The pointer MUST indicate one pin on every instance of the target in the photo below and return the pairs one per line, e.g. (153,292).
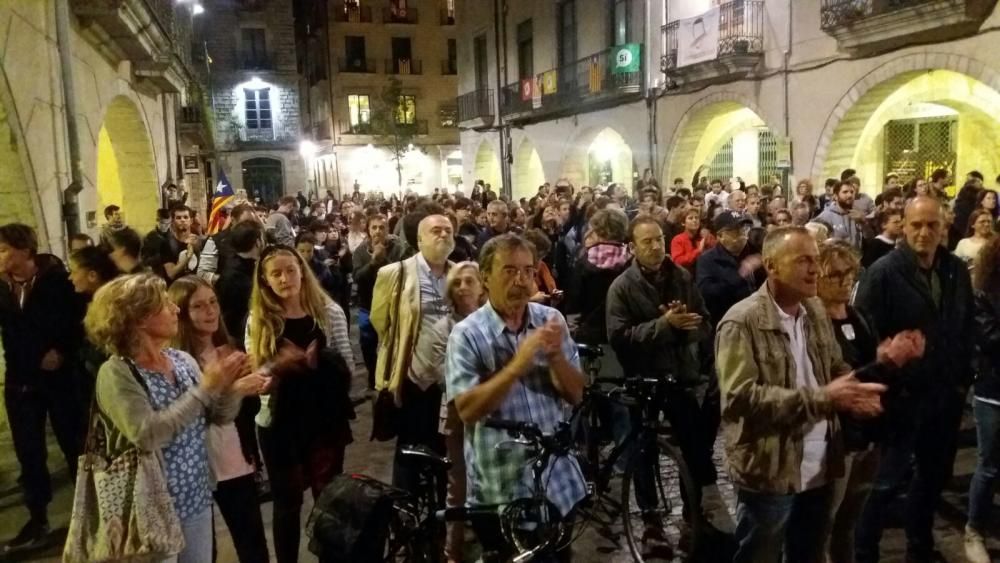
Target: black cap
(728,220)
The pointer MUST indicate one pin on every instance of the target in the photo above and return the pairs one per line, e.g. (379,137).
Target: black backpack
(350,521)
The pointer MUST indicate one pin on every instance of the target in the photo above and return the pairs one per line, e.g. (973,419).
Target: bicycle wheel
(660,515)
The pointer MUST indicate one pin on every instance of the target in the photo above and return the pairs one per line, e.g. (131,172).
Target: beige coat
(395,317)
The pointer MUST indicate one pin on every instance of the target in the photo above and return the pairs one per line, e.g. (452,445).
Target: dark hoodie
(52,318)
(597,267)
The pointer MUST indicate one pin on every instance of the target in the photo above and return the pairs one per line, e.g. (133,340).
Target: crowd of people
(831,338)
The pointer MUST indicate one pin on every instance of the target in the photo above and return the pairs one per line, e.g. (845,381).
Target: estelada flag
(223,196)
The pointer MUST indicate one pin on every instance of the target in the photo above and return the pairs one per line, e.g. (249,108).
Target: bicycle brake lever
(519,442)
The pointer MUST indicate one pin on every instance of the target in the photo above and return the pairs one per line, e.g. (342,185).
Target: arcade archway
(126,170)
(527,170)
(15,192)
(599,157)
(487,167)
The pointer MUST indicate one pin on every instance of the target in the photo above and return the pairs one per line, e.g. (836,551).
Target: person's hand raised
(863,400)
(677,316)
(220,373)
(902,348)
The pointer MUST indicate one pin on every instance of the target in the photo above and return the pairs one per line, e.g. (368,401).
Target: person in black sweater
(890,225)
(41,323)
(859,345)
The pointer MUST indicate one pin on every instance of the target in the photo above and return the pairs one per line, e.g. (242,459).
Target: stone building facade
(352,55)
(785,90)
(253,95)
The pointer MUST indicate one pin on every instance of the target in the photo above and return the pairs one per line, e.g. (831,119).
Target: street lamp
(197,10)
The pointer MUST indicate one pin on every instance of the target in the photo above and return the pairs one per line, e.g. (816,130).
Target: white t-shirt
(814,447)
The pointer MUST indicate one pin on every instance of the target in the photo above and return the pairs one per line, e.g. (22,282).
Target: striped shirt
(479,347)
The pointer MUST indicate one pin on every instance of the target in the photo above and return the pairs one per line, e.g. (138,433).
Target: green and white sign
(626,58)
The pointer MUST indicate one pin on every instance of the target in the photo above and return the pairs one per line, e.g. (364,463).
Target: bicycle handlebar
(513,426)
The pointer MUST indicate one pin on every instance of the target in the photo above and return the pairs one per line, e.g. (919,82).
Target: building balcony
(600,80)
(352,13)
(255,61)
(360,66)
(193,125)
(515,99)
(403,66)
(154,35)
(449,67)
(418,127)
(399,15)
(348,128)
(475,108)
(740,48)
(880,25)
(447,17)
(246,138)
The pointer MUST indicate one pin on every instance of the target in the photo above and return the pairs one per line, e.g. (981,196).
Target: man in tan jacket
(782,380)
(409,297)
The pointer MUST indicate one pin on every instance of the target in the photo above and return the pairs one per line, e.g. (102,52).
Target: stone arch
(708,125)
(969,86)
(126,168)
(18,186)
(598,148)
(487,166)
(527,170)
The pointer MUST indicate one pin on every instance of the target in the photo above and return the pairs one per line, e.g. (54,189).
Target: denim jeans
(774,528)
(927,446)
(984,479)
(197,539)
(850,493)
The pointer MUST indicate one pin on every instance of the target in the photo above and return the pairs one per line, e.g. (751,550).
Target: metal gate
(721,167)
(767,156)
(918,147)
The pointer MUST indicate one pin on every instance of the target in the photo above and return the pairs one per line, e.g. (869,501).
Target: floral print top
(185,457)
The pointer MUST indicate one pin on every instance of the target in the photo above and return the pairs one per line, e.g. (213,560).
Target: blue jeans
(983,480)
(368,340)
(197,539)
(774,528)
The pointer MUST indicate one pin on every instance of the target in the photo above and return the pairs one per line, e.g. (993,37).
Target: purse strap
(89,445)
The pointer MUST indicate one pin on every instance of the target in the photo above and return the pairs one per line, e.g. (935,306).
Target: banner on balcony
(626,58)
(527,89)
(698,38)
(549,82)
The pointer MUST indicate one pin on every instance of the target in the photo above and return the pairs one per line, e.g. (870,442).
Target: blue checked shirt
(480,346)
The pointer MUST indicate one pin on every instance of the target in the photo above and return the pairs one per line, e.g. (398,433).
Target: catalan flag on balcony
(220,199)
(596,75)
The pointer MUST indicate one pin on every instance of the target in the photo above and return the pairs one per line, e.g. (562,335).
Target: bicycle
(649,441)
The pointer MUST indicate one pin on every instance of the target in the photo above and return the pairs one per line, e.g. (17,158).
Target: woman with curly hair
(158,399)
(298,334)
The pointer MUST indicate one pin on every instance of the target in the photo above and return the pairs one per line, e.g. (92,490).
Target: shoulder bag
(122,510)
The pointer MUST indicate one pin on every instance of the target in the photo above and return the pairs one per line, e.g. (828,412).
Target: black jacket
(895,294)
(988,340)
(51,319)
(234,287)
(590,282)
(720,282)
(644,342)
(366,269)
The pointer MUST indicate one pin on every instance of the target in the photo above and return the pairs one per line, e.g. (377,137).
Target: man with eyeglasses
(498,222)
(731,271)
(512,360)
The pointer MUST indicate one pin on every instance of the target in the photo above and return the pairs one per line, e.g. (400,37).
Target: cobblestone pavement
(594,545)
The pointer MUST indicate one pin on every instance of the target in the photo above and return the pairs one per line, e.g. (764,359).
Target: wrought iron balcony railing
(403,66)
(362,66)
(393,14)
(741,32)
(352,13)
(475,104)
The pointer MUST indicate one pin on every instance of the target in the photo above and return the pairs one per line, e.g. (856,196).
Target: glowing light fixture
(308,149)
(197,10)
(604,150)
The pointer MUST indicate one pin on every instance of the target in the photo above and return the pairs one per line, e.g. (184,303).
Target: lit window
(258,108)
(360,109)
(406,110)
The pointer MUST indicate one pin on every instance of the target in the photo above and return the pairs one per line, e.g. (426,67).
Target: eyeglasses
(512,272)
(841,276)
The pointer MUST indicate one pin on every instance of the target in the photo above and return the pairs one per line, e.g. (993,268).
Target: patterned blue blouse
(185,457)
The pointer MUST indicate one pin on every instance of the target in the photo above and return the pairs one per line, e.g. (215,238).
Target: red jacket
(684,250)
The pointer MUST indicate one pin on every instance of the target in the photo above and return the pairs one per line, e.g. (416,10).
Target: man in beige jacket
(409,297)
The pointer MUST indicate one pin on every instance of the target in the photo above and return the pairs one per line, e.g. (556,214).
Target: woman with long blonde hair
(298,335)
(201,333)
